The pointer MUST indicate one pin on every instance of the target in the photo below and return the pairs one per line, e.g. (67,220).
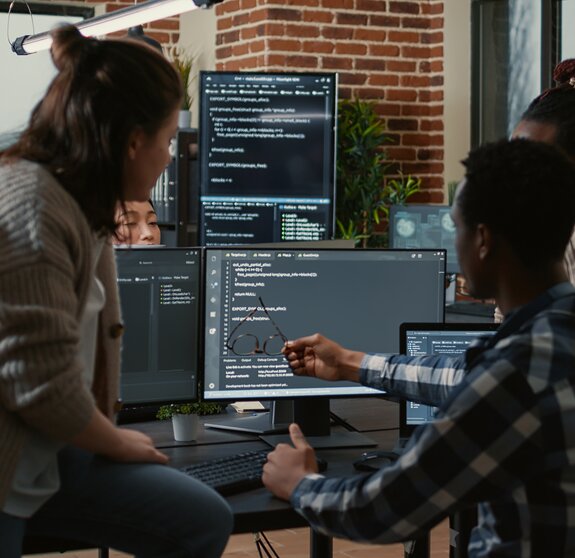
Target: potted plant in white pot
(184,64)
(185,417)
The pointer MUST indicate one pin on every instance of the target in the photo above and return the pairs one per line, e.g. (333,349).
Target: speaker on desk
(175,196)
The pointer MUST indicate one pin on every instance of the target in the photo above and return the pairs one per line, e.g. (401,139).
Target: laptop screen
(417,339)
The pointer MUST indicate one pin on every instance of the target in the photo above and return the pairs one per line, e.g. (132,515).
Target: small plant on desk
(185,419)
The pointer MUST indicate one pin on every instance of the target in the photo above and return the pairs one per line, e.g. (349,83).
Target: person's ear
(135,141)
(485,239)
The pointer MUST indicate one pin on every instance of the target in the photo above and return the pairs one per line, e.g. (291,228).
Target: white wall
(197,37)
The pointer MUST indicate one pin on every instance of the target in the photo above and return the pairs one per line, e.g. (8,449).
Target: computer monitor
(355,297)
(424,226)
(160,300)
(266,157)
(417,339)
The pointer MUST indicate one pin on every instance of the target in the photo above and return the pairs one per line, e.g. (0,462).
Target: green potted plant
(363,194)
(185,417)
(184,64)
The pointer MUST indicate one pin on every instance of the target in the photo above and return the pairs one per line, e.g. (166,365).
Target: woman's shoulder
(37,215)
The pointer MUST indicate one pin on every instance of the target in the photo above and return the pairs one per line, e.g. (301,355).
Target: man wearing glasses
(502,436)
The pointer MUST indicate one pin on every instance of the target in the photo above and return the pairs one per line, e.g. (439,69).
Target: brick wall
(166,31)
(387,51)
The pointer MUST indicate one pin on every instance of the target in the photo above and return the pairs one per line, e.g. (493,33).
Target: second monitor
(255,299)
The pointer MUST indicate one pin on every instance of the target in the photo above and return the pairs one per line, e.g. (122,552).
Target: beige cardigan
(45,255)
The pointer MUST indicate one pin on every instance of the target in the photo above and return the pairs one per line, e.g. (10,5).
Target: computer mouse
(374,460)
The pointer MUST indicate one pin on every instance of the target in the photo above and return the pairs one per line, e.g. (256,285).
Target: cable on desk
(264,545)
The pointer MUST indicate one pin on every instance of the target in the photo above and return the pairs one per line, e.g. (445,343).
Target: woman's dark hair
(524,191)
(556,106)
(80,130)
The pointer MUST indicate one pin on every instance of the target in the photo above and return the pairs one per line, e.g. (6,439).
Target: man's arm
(455,461)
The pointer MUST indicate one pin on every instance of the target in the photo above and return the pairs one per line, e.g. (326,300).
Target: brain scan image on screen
(405,227)
(447,223)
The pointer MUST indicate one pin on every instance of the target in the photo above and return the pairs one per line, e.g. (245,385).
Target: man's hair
(556,106)
(524,191)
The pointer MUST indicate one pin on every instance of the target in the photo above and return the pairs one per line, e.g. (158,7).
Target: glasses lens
(274,345)
(245,345)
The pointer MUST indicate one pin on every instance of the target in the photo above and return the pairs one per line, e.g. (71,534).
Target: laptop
(416,339)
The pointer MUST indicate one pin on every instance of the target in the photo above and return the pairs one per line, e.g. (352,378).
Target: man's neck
(520,288)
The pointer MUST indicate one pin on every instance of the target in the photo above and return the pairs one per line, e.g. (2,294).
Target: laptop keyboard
(231,474)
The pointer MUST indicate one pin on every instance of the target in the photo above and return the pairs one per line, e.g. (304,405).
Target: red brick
(423,168)
(400,153)
(383,50)
(282,14)
(308,31)
(383,80)
(432,8)
(348,78)
(430,154)
(404,7)
(321,47)
(384,21)
(338,4)
(284,44)
(346,18)
(415,81)
(415,22)
(432,125)
(257,46)
(332,63)
(372,64)
(405,95)
(415,52)
(369,34)
(371,5)
(248,4)
(432,38)
(317,16)
(359,49)
(422,139)
(401,125)
(403,36)
(337,33)
(400,66)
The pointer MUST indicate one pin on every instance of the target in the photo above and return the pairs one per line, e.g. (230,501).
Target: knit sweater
(45,257)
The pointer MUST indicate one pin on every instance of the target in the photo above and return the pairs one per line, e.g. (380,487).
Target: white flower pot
(184,119)
(186,427)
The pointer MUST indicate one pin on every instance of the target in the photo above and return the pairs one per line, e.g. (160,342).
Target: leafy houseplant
(200,408)
(363,195)
(185,417)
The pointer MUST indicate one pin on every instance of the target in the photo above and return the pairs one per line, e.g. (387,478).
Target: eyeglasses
(249,344)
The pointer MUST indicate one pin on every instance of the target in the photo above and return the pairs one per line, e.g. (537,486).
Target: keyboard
(231,474)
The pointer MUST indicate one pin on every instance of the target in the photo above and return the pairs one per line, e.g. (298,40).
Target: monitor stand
(312,415)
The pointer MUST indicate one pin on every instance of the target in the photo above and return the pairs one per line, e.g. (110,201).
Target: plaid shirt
(504,437)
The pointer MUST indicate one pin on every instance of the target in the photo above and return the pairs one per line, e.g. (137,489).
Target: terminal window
(267,157)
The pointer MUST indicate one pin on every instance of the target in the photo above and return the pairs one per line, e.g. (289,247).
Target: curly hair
(80,130)
(556,106)
(524,191)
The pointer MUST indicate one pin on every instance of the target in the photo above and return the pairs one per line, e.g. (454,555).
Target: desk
(258,510)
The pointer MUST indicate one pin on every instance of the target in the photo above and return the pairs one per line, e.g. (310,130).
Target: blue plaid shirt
(504,437)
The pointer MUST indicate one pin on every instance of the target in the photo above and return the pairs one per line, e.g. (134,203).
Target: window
(515,46)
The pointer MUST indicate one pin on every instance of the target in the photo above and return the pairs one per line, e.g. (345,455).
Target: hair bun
(68,46)
(564,71)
